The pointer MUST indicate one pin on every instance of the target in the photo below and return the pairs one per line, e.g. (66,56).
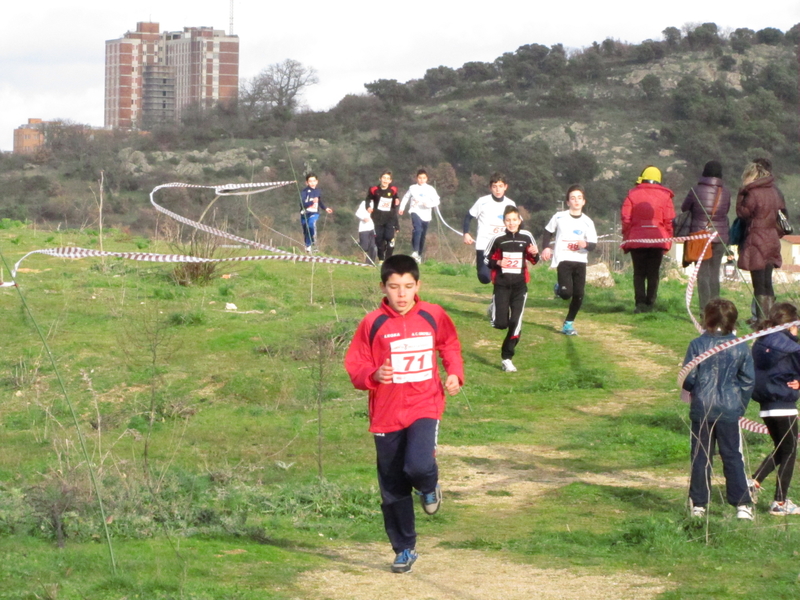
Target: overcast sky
(52,52)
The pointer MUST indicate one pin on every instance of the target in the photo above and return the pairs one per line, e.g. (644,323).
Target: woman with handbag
(758,204)
(709,202)
(647,213)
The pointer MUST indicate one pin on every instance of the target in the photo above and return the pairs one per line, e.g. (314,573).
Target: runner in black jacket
(382,201)
(506,255)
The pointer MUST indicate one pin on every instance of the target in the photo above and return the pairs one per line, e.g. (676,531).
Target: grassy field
(233,459)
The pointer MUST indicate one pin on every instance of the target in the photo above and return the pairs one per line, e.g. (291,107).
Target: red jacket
(409,341)
(647,214)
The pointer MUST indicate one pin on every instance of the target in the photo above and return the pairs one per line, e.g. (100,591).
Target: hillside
(546,117)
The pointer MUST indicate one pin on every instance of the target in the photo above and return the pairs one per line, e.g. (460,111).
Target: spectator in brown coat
(758,203)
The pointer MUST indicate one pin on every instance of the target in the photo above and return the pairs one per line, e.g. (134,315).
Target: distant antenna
(231,22)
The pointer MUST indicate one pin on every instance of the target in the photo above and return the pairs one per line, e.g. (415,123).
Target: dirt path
(362,573)
(520,474)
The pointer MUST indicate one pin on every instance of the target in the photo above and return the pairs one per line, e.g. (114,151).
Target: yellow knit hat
(650,174)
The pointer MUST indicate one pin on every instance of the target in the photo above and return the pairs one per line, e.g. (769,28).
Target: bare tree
(276,88)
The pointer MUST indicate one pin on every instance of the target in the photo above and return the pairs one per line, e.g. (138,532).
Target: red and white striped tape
(235,189)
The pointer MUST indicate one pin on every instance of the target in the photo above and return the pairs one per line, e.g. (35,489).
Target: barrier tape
(441,218)
(235,189)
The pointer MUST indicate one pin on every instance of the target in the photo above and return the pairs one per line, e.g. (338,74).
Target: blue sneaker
(556,289)
(432,501)
(403,561)
(568,328)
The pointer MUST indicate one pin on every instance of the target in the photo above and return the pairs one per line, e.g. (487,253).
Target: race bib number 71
(412,359)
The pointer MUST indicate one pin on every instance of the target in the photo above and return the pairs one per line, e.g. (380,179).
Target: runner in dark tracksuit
(382,202)
(506,256)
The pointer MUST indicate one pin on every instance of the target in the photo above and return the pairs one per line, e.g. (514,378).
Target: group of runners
(393,355)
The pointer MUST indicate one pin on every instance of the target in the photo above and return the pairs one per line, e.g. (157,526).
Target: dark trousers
(646,264)
(571,284)
(384,239)
(708,275)
(727,437)
(484,273)
(366,239)
(508,304)
(309,223)
(406,460)
(418,233)
(762,281)
(783,431)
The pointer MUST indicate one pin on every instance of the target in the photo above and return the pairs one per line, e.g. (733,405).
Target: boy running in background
(489,212)
(392,356)
(382,202)
(366,232)
(575,238)
(423,199)
(311,198)
(505,257)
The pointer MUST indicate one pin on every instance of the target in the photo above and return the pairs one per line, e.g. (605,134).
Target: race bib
(570,245)
(514,261)
(385,204)
(412,359)
(498,229)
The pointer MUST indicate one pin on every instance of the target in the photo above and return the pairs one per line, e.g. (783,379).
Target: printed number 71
(410,360)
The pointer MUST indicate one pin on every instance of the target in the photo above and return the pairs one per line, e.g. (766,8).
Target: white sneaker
(508,366)
(782,509)
(744,512)
(698,511)
(416,257)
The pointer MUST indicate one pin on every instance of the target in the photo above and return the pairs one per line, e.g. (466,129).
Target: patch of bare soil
(362,573)
(512,476)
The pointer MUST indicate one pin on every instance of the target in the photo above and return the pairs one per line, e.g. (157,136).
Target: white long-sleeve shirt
(362,214)
(423,198)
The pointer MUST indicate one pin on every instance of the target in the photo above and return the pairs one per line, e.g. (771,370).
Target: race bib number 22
(412,359)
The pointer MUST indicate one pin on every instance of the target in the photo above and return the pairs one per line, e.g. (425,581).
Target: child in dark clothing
(777,362)
(720,390)
(505,256)
(311,198)
(382,203)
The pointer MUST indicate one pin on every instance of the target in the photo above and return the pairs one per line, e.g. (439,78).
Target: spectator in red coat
(647,214)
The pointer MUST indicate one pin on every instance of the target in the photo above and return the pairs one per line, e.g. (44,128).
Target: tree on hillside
(389,91)
(703,36)
(276,89)
(769,36)
(741,39)
(672,37)
(651,86)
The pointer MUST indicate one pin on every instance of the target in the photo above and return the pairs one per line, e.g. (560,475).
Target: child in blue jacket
(720,389)
(777,361)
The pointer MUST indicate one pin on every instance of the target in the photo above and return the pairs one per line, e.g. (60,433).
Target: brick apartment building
(151,77)
(29,138)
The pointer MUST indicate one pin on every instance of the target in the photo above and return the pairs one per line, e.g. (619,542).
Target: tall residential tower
(151,77)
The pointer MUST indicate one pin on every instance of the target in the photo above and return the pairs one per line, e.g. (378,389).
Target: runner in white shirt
(423,199)
(366,232)
(575,238)
(489,212)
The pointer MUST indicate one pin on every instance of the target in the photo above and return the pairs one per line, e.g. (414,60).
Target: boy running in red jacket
(392,356)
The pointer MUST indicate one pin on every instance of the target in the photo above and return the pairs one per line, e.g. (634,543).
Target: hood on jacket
(770,349)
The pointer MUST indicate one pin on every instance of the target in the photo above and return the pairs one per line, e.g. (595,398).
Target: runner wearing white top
(575,238)
(423,199)
(366,232)
(489,212)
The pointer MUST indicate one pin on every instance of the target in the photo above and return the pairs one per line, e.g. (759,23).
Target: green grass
(202,425)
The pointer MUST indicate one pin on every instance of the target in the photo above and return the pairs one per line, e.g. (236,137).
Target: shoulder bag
(693,249)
